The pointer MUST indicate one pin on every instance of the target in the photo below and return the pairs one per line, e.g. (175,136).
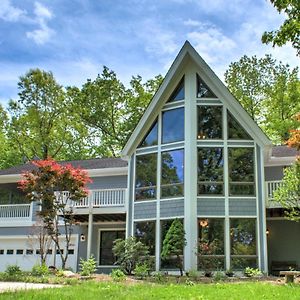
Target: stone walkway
(12,286)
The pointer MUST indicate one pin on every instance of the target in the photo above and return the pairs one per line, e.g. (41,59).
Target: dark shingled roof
(95,163)
(284,151)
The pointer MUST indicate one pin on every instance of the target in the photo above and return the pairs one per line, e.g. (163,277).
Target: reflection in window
(172,173)
(168,263)
(241,171)
(178,94)
(14,196)
(243,243)
(210,171)
(173,125)
(151,136)
(210,244)
(209,122)
(145,183)
(145,232)
(235,130)
(203,91)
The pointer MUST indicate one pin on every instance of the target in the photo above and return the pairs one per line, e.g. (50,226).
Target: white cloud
(191,22)
(44,33)
(10,13)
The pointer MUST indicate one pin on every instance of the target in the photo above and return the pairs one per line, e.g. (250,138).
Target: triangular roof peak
(186,53)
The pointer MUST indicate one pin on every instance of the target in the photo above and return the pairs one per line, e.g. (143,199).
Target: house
(195,155)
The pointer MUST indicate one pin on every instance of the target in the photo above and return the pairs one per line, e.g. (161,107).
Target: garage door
(19,251)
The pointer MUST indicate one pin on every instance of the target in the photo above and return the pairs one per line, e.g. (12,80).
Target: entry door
(107,238)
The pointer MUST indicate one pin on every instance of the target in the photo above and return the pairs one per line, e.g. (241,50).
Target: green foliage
(118,275)
(252,272)
(88,267)
(159,277)
(110,109)
(268,91)
(174,243)
(289,31)
(194,274)
(13,270)
(141,270)
(189,282)
(288,194)
(130,253)
(40,270)
(229,273)
(219,276)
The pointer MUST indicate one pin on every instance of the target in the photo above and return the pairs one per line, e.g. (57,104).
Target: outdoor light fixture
(267,231)
(82,237)
(203,223)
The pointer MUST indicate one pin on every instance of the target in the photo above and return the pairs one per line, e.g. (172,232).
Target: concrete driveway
(12,286)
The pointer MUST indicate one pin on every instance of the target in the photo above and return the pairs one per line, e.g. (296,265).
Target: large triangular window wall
(235,130)
(151,137)
(178,94)
(203,91)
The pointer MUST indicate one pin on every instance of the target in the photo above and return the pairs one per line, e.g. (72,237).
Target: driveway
(12,286)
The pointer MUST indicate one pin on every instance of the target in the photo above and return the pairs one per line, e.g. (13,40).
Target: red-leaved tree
(55,187)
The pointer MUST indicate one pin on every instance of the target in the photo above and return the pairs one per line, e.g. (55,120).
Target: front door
(107,238)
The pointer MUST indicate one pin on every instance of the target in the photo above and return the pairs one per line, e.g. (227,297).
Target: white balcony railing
(15,211)
(272,186)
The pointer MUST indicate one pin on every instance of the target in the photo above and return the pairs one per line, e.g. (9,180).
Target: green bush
(159,277)
(219,276)
(141,271)
(117,275)
(130,253)
(193,274)
(13,270)
(252,272)
(88,267)
(40,270)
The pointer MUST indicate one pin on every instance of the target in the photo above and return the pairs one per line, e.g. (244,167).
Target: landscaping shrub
(219,276)
(130,253)
(13,270)
(88,267)
(252,272)
(117,275)
(141,271)
(40,270)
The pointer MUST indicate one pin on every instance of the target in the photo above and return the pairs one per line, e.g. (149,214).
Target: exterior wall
(273,173)
(283,241)
(108,182)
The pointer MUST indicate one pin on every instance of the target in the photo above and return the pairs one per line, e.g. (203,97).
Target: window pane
(203,91)
(169,263)
(172,169)
(240,263)
(145,232)
(243,236)
(241,171)
(151,136)
(210,171)
(173,125)
(235,130)
(178,94)
(209,122)
(145,184)
(208,263)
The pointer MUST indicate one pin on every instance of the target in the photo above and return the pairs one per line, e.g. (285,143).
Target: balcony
(271,186)
(15,213)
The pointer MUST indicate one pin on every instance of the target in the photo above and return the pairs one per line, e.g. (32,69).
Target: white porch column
(90,229)
(190,171)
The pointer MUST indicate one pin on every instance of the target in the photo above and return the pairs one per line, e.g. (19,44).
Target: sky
(75,38)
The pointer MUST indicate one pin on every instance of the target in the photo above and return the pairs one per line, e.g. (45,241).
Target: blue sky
(75,38)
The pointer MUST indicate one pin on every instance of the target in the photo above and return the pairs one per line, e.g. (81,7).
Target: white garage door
(19,251)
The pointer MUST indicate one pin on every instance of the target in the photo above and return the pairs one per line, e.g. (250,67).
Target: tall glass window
(203,91)
(243,243)
(211,244)
(173,125)
(151,137)
(168,263)
(145,182)
(241,171)
(172,171)
(178,94)
(145,232)
(209,122)
(235,130)
(210,171)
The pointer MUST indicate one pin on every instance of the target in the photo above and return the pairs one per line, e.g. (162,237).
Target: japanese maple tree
(55,187)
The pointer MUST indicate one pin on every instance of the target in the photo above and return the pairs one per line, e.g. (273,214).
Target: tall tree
(269,91)
(289,31)
(42,122)
(110,109)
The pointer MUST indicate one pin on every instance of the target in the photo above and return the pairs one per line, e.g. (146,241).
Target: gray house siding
(108,182)
(273,173)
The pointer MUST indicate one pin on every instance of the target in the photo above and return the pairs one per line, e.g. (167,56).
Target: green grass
(109,290)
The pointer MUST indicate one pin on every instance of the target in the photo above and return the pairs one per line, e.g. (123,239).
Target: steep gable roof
(187,53)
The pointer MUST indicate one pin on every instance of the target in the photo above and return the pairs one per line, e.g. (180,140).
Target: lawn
(110,290)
